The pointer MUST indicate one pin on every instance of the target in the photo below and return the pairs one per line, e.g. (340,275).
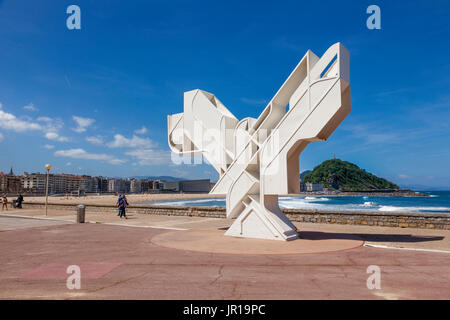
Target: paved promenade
(121,259)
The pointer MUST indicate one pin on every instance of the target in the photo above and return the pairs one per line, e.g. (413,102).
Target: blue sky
(94,101)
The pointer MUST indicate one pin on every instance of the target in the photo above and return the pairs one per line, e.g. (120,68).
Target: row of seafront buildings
(35,183)
(146,186)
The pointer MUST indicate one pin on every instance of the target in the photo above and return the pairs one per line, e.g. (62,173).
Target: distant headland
(338,177)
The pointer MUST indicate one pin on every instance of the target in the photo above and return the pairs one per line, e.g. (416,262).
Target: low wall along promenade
(425,220)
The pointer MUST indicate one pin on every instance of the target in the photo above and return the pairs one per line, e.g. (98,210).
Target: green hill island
(345,176)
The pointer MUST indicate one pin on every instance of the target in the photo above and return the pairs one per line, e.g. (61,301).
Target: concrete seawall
(424,220)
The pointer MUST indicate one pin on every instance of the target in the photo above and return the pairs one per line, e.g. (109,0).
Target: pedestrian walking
(4,203)
(18,202)
(119,200)
(122,205)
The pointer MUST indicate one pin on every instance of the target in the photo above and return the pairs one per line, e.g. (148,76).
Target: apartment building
(10,183)
(313,186)
(118,185)
(136,186)
(187,186)
(35,182)
(195,186)
(58,183)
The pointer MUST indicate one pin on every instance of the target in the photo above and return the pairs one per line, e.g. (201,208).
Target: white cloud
(150,157)
(68,164)
(9,121)
(47,125)
(44,119)
(49,146)
(381,137)
(50,125)
(142,130)
(1,137)
(30,107)
(403,176)
(51,128)
(82,123)
(98,140)
(56,137)
(135,142)
(82,154)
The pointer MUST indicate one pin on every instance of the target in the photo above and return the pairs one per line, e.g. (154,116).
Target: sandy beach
(111,199)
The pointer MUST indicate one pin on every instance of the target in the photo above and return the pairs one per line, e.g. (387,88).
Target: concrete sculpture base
(214,241)
(258,159)
(263,222)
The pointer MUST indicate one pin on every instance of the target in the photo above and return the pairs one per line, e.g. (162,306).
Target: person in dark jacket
(122,205)
(18,202)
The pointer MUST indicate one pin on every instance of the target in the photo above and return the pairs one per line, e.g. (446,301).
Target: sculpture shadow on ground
(315,235)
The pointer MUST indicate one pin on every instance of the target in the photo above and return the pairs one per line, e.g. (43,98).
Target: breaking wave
(415,209)
(438,203)
(314,198)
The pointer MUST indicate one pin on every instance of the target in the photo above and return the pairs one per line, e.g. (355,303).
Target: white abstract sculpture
(258,159)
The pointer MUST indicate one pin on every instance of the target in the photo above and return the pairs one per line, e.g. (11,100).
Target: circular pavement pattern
(214,241)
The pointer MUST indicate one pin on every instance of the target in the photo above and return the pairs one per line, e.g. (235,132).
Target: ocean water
(438,201)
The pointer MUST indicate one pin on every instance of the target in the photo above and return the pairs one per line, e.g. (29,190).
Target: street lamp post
(47,167)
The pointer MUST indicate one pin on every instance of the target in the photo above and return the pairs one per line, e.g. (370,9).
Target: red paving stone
(89,270)
(147,271)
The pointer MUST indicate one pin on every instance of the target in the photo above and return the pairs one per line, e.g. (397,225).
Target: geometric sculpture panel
(257,159)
